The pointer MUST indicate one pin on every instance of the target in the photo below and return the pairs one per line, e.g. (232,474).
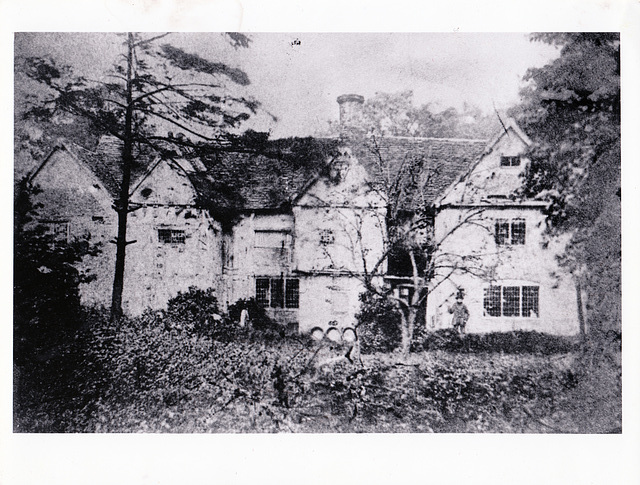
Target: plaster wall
(72,194)
(482,262)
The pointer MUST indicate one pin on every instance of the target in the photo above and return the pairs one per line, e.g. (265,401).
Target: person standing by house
(460,314)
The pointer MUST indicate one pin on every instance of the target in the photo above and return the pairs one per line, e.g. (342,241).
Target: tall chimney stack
(350,111)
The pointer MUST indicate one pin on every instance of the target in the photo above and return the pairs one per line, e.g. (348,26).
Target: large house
(300,236)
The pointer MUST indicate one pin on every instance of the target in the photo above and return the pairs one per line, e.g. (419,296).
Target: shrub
(259,325)
(196,312)
(46,304)
(507,342)
(378,324)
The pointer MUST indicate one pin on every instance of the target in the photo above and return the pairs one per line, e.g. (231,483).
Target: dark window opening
(399,262)
(278,292)
(292,299)
(171,236)
(509,161)
(511,301)
(326,237)
(262,291)
(530,296)
(518,232)
(502,232)
(492,301)
(510,232)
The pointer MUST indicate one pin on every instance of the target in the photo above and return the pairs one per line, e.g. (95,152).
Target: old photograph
(317,233)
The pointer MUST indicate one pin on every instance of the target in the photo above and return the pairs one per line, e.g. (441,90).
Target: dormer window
(513,161)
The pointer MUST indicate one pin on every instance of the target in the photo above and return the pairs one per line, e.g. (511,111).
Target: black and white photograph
(322,233)
(405,261)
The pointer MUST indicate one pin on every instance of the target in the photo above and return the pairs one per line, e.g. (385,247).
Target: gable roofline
(510,124)
(312,181)
(55,149)
(62,145)
(344,149)
(156,162)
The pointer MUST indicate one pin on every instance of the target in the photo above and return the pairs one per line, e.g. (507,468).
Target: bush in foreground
(517,342)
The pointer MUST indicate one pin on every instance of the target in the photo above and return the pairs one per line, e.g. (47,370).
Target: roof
(105,161)
(461,186)
(440,162)
(271,176)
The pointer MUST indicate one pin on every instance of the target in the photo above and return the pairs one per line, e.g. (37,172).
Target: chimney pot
(350,110)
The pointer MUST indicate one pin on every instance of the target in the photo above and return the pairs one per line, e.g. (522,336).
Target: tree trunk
(122,206)
(408,326)
(581,320)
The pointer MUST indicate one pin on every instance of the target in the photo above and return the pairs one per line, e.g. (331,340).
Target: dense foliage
(142,377)
(190,368)
(46,299)
(518,342)
(571,110)
(378,324)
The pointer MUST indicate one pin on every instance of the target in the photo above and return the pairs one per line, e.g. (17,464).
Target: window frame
(172,236)
(327,237)
(510,160)
(511,300)
(286,295)
(504,230)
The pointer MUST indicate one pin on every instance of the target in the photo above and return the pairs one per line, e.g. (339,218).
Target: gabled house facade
(492,249)
(175,242)
(301,237)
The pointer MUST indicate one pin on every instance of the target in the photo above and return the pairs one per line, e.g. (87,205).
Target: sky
(298,76)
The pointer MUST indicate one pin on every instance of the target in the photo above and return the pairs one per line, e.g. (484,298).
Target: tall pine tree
(153,87)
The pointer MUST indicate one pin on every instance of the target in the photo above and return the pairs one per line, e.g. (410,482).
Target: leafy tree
(153,87)
(571,108)
(47,308)
(394,114)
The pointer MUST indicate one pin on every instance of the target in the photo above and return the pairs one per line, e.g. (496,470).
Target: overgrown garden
(182,370)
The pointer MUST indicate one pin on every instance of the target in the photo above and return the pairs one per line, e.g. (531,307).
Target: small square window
(506,161)
(510,232)
(171,236)
(326,237)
